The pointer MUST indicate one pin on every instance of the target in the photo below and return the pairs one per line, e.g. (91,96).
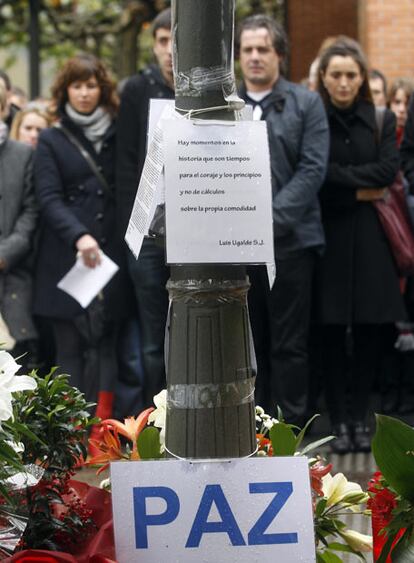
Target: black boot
(361,437)
(343,441)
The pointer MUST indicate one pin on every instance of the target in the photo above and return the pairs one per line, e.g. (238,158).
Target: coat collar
(77,131)
(363,111)
(275,99)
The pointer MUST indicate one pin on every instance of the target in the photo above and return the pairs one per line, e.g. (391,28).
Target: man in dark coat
(149,273)
(298,141)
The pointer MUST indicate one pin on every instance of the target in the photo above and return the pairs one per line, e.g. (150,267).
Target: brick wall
(387,34)
(309,22)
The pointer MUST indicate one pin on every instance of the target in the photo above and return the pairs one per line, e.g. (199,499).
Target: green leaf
(320,507)
(329,557)
(27,432)
(149,443)
(336,546)
(386,549)
(283,439)
(316,444)
(301,435)
(403,552)
(8,455)
(393,450)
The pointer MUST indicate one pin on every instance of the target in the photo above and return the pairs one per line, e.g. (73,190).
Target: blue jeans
(149,275)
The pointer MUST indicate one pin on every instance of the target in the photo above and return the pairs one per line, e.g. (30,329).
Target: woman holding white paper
(74,179)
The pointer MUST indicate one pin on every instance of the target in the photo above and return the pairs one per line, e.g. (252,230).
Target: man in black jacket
(149,273)
(298,141)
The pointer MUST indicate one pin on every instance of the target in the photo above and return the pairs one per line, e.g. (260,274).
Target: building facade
(385,29)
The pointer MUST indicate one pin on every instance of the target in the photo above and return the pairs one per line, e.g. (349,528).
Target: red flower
(317,471)
(264,445)
(382,501)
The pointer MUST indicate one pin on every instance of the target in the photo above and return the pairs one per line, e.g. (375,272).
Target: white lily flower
(105,484)
(10,383)
(159,415)
(358,541)
(336,488)
(268,423)
(259,410)
(18,447)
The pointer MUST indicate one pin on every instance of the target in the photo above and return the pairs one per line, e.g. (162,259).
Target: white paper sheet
(83,283)
(218,192)
(151,186)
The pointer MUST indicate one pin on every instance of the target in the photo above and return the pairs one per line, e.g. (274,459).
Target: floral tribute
(43,436)
(392,491)
(44,423)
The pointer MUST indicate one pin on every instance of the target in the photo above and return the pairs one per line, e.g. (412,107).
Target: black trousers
(350,362)
(149,276)
(280,323)
(92,365)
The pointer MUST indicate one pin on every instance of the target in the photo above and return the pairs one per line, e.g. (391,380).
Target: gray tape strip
(200,79)
(210,395)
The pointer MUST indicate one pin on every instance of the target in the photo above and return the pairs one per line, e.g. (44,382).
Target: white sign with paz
(218,192)
(256,509)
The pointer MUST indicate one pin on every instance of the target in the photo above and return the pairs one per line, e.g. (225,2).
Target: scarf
(4,130)
(94,125)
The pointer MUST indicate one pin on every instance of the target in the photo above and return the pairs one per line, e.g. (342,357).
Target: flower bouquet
(49,418)
(43,437)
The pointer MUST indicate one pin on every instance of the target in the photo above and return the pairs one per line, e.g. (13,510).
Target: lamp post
(34,47)
(210,367)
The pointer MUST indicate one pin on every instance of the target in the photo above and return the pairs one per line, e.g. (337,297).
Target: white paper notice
(218,192)
(146,199)
(83,283)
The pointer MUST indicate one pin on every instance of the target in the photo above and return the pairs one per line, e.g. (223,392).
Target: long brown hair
(82,67)
(344,47)
(405,84)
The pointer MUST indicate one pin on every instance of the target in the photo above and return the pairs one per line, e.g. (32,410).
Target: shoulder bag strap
(86,156)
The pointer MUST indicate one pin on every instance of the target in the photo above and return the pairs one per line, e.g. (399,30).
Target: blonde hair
(20,115)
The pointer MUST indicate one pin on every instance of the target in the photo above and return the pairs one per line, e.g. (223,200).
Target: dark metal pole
(34,48)
(210,373)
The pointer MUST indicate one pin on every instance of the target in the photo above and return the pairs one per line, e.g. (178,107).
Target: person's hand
(2,264)
(371,194)
(89,250)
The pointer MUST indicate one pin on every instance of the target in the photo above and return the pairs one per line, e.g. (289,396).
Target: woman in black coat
(357,282)
(78,219)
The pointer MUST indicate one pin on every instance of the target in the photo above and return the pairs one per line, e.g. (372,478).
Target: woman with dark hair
(74,179)
(357,283)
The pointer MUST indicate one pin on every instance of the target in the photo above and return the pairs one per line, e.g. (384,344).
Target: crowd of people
(338,312)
